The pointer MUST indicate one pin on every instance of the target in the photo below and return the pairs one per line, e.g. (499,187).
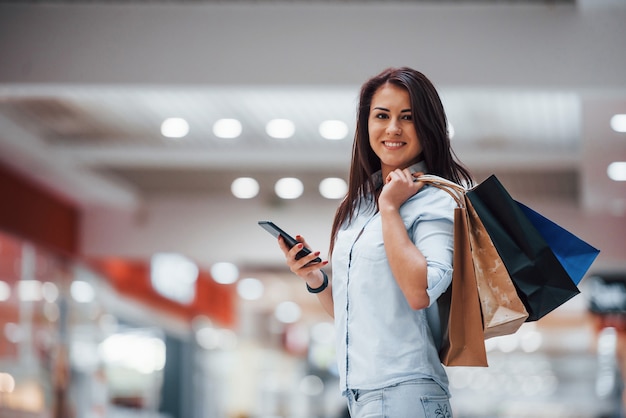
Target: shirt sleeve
(433,234)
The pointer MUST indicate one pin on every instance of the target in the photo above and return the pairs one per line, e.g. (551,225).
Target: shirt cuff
(438,281)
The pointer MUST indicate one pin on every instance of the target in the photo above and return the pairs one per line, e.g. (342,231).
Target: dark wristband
(322,287)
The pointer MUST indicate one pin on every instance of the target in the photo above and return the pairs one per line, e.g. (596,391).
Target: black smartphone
(289,240)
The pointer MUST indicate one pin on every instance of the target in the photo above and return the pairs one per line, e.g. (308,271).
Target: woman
(391,251)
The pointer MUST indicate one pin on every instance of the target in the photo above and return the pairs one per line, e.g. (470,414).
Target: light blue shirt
(381,340)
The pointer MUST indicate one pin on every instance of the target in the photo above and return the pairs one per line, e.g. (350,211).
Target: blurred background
(141,141)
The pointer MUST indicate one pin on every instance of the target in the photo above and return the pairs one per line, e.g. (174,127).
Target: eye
(407,117)
(381,116)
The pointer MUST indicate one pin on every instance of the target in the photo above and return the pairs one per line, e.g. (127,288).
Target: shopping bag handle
(455,190)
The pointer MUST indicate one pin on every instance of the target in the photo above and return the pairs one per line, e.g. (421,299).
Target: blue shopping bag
(574,254)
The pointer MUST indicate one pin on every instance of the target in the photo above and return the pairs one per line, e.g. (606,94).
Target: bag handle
(455,190)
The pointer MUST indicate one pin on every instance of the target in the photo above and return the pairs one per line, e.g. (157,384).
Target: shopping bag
(479,275)
(463,342)
(503,312)
(541,281)
(574,254)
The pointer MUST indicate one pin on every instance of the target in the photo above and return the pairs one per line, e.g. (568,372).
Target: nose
(394,128)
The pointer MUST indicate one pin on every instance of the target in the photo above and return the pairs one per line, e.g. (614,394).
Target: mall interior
(142,140)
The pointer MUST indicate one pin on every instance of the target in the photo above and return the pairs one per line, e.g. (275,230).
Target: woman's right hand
(309,271)
(303,267)
(399,186)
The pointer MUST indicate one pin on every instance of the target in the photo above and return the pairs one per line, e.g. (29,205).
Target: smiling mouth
(390,144)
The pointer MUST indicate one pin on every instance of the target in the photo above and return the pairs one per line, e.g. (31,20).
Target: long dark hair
(431,126)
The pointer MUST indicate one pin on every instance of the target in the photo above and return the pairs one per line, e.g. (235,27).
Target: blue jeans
(421,398)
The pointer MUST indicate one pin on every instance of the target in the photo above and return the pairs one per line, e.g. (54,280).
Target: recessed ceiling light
(245,188)
(250,288)
(289,188)
(617,171)
(227,128)
(224,273)
(618,123)
(280,128)
(333,188)
(333,129)
(174,128)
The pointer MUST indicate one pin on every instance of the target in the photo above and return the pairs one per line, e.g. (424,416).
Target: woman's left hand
(399,186)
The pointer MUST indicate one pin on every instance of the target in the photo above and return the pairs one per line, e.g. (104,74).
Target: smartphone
(289,240)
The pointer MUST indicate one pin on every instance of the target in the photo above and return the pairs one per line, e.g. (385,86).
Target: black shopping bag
(541,281)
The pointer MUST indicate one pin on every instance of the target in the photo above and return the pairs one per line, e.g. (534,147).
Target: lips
(390,144)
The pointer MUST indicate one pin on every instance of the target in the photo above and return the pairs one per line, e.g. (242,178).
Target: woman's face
(391,130)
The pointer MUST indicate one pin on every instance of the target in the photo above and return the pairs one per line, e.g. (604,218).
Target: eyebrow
(387,110)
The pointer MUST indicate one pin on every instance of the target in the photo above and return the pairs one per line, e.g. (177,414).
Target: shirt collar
(419,167)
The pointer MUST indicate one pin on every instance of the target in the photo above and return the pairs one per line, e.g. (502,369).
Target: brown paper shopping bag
(463,341)
(502,309)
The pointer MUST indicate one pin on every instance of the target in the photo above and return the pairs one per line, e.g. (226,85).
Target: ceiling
(85,85)
(115,134)
(549,2)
